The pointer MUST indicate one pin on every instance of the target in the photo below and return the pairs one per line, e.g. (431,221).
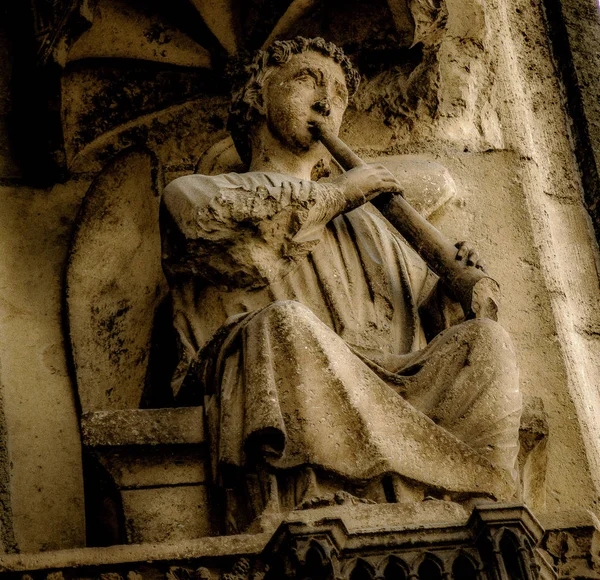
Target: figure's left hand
(467,254)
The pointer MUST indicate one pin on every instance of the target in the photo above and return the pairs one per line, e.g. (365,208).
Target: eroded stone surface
(143,427)
(528,196)
(276,264)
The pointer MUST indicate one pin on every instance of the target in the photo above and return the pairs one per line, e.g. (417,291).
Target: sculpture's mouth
(315,130)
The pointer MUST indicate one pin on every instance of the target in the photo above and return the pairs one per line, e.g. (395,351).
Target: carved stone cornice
(432,539)
(104,72)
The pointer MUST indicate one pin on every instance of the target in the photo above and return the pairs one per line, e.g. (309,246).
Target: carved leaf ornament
(130,68)
(159,73)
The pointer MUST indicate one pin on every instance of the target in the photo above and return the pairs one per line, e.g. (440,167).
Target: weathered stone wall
(486,102)
(573,28)
(40,466)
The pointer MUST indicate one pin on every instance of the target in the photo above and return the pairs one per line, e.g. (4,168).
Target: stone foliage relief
(122,72)
(332,366)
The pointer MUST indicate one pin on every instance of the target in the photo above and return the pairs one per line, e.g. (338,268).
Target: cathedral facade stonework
(298,290)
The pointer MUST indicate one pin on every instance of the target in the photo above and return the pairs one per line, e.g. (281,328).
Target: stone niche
(103,472)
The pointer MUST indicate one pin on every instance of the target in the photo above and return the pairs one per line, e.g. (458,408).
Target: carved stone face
(309,88)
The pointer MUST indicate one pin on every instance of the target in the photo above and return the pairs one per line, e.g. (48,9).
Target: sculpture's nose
(322,107)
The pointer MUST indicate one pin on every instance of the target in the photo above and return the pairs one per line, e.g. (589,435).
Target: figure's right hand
(366,182)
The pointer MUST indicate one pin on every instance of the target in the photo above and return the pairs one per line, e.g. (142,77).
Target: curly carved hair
(244,113)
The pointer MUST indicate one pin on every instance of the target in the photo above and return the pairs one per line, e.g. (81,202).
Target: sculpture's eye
(307,77)
(340,97)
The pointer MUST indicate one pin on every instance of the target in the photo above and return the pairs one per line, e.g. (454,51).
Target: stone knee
(471,388)
(489,342)
(491,351)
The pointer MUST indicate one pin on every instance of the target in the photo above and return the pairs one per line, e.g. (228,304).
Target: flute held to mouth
(477,292)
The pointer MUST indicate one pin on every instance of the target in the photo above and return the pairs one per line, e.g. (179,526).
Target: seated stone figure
(297,307)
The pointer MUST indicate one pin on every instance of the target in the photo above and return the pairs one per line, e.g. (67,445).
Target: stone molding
(339,542)
(116,428)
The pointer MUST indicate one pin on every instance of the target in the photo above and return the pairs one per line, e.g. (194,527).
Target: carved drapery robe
(308,335)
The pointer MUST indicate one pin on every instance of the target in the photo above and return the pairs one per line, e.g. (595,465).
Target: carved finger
(286,189)
(462,250)
(481,266)
(305,190)
(392,186)
(472,258)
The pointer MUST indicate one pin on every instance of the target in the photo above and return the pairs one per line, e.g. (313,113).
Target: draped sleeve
(244,230)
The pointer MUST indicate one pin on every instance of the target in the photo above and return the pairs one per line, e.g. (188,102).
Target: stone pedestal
(156,460)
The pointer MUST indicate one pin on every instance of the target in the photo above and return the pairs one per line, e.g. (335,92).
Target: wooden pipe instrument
(477,292)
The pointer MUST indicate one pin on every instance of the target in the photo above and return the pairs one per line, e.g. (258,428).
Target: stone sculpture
(299,312)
